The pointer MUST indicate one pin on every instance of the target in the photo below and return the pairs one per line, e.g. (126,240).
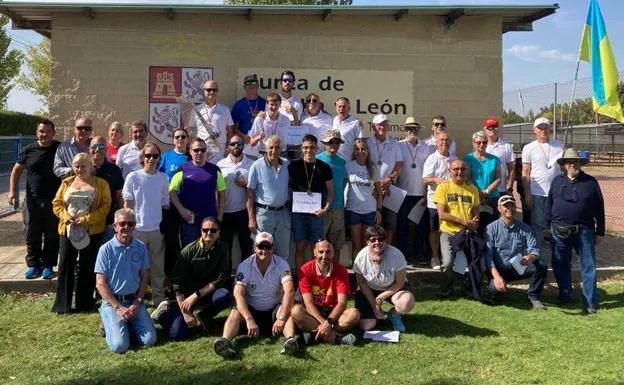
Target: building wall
(101,64)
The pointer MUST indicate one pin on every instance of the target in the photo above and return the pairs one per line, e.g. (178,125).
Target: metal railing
(10,148)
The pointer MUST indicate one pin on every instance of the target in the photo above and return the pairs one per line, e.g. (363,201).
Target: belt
(125,297)
(270,208)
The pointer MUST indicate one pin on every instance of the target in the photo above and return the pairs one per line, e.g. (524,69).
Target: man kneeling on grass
(264,293)
(324,285)
(122,273)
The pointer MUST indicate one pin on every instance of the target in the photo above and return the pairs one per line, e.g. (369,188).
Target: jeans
(276,223)
(537,274)
(237,223)
(448,259)
(583,244)
(420,229)
(118,330)
(173,322)
(39,219)
(539,213)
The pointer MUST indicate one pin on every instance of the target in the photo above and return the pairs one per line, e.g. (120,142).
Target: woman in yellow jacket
(81,204)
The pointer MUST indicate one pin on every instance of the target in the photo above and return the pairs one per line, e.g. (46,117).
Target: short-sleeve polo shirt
(263,292)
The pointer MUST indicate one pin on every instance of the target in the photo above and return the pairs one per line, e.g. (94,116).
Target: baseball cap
(263,237)
(332,134)
(380,118)
(502,201)
(540,121)
(491,123)
(251,78)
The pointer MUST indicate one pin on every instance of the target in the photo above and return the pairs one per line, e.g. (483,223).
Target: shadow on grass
(431,325)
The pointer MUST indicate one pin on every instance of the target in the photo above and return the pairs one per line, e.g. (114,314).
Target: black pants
(85,283)
(39,219)
(485,218)
(236,223)
(170,227)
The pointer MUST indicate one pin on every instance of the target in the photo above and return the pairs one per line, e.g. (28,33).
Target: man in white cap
(350,128)
(264,294)
(513,253)
(539,168)
(387,162)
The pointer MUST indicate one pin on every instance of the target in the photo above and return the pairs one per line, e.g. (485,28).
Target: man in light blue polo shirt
(122,274)
(267,196)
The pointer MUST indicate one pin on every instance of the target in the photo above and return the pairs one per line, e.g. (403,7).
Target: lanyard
(308,178)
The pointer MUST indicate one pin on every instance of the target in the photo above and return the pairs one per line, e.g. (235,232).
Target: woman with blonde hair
(81,204)
(115,135)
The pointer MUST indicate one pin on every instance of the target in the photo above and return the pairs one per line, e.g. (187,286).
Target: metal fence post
(18,149)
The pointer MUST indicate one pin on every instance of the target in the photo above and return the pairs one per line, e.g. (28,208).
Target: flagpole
(565,138)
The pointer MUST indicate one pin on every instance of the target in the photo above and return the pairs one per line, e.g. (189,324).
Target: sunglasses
(239,144)
(333,142)
(198,150)
(98,147)
(211,230)
(251,84)
(312,101)
(264,246)
(211,89)
(126,224)
(376,239)
(84,128)
(491,128)
(479,143)
(151,156)
(180,137)
(287,80)
(439,124)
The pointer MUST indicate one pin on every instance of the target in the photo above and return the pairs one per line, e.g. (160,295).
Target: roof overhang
(37,15)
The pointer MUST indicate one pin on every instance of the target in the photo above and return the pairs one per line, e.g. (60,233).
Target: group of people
(128,215)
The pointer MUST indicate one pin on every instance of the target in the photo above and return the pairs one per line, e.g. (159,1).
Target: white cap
(263,237)
(378,119)
(540,121)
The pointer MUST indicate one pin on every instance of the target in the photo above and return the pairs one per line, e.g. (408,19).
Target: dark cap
(251,78)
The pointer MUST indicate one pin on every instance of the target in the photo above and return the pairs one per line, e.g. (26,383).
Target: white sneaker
(435,263)
(162,307)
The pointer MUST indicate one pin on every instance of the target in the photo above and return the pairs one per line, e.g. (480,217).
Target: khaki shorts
(334,226)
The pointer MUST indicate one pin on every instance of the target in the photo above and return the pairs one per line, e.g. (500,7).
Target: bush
(12,123)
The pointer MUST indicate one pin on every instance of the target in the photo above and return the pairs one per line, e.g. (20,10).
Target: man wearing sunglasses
(264,294)
(122,273)
(291,107)
(68,149)
(235,169)
(245,110)
(217,118)
(129,154)
(315,118)
(110,173)
(438,124)
(200,280)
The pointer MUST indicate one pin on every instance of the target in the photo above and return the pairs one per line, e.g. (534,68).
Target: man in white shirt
(216,118)
(387,162)
(438,124)
(414,153)
(315,118)
(291,107)
(504,151)
(235,170)
(146,191)
(350,127)
(436,172)
(539,168)
(128,154)
(266,125)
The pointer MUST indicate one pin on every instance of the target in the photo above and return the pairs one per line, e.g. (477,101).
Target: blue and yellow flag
(596,49)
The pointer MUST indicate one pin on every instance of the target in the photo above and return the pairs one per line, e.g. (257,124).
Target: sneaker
(590,310)
(291,346)
(223,347)
(397,322)
(48,273)
(33,272)
(161,308)
(435,263)
(347,339)
(101,330)
(537,304)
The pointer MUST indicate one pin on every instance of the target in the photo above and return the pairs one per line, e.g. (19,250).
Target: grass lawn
(448,342)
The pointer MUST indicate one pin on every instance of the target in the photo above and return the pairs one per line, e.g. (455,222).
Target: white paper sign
(395,200)
(382,336)
(306,203)
(516,262)
(461,262)
(295,134)
(417,211)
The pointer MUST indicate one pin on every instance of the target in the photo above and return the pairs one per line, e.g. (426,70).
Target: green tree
(511,117)
(290,2)
(37,78)
(10,62)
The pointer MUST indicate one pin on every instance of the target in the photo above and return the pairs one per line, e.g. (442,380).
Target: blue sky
(544,56)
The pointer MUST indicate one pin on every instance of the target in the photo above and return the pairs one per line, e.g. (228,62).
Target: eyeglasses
(312,101)
(264,246)
(439,124)
(126,224)
(210,230)
(208,90)
(479,143)
(287,80)
(180,137)
(251,84)
(491,128)
(376,239)
(98,147)
(151,156)
(198,150)
(458,169)
(239,144)
(84,128)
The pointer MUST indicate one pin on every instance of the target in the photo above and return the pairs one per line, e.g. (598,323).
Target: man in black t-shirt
(111,173)
(41,187)
(312,179)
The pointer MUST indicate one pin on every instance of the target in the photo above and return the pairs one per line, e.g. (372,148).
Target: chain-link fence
(10,147)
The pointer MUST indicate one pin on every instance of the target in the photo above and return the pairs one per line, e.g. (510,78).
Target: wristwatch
(281,318)
(330,321)
(139,299)
(197,293)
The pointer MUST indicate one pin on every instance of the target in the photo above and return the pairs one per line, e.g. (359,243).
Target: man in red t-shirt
(324,285)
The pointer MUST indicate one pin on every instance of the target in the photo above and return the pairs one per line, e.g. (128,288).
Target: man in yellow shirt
(457,203)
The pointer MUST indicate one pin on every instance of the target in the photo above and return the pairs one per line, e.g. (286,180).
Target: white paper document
(553,161)
(417,211)
(382,336)
(395,200)
(295,134)
(516,262)
(304,202)
(461,262)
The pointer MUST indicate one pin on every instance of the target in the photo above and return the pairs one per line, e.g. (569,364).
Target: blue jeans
(189,232)
(276,223)
(118,330)
(420,229)
(583,244)
(537,275)
(173,322)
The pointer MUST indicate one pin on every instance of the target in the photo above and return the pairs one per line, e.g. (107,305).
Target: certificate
(395,200)
(415,215)
(306,203)
(295,134)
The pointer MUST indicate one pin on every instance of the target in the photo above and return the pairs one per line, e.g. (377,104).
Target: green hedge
(12,123)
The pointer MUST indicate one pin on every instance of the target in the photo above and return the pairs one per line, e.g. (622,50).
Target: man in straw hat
(577,221)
